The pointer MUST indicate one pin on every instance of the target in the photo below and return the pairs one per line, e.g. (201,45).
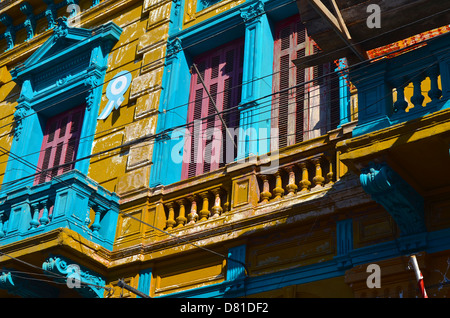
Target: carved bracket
(85,283)
(401,200)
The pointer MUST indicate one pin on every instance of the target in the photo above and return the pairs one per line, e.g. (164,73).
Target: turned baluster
(291,187)
(170,222)
(304,183)
(96,226)
(192,216)
(181,218)
(318,178)
(2,233)
(216,209)
(330,173)
(35,221)
(44,220)
(434,93)
(265,194)
(417,98)
(278,190)
(87,220)
(400,103)
(204,212)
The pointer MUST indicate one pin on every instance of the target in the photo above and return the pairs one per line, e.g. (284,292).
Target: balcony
(242,195)
(400,145)
(69,201)
(381,86)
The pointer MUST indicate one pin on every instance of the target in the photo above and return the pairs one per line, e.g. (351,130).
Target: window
(307,110)
(206,148)
(60,144)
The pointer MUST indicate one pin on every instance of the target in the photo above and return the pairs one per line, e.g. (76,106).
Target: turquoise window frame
(66,71)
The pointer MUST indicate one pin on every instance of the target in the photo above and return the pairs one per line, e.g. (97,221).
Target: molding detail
(87,287)
(252,11)
(173,47)
(10,33)
(387,188)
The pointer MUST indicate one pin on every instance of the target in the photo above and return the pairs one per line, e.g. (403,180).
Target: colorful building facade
(175,147)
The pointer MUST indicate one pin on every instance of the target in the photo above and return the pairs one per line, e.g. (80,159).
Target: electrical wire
(178,237)
(206,38)
(149,137)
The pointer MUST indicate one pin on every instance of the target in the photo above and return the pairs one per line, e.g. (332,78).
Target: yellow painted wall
(140,50)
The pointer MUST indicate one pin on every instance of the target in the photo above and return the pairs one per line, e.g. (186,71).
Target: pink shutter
(289,105)
(60,143)
(221,70)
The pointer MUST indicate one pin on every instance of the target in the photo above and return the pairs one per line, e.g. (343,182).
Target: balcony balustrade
(381,86)
(243,186)
(71,200)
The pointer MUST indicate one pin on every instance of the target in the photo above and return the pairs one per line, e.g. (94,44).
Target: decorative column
(44,220)
(265,194)
(318,178)
(291,187)
(175,92)
(258,60)
(417,98)
(2,233)
(216,209)
(192,216)
(171,216)
(278,191)
(330,173)
(96,226)
(35,221)
(181,218)
(434,93)
(87,220)
(304,183)
(204,212)
(400,103)
(344,92)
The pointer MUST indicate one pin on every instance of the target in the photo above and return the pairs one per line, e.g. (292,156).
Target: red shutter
(288,105)
(60,144)
(221,70)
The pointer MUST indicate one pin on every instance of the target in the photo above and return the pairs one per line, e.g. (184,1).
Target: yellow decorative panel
(289,249)
(128,226)
(373,227)
(241,192)
(180,274)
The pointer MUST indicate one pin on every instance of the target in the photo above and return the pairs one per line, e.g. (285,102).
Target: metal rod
(214,104)
(122,284)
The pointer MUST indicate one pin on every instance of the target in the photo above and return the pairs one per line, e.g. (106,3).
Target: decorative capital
(252,11)
(174,46)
